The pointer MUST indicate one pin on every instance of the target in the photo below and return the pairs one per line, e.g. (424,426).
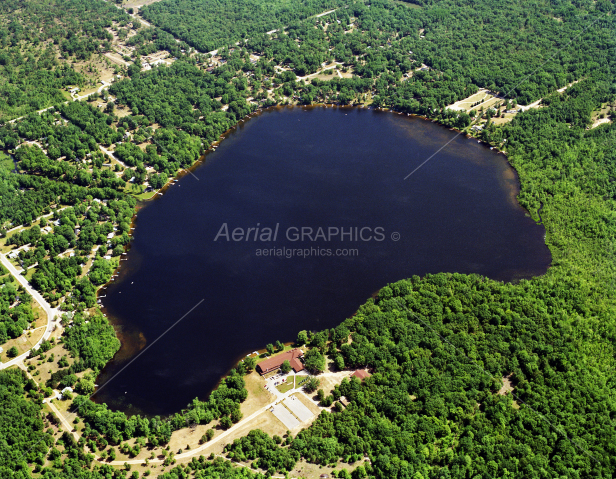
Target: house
(272,364)
(60,395)
(361,374)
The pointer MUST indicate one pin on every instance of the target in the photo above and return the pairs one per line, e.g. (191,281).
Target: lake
(291,224)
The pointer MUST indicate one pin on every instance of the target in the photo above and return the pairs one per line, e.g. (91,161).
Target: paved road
(51,312)
(325,13)
(38,111)
(111,155)
(104,86)
(141,19)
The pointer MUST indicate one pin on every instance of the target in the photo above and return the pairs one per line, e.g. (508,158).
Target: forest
(31,75)
(211,24)
(22,438)
(441,348)
(15,308)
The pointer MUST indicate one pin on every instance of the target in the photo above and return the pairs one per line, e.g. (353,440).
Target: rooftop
(361,374)
(275,362)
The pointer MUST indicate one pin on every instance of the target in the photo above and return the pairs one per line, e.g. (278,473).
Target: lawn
(302,381)
(146,196)
(29,273)
(258,396)
(28,339)
(6,162)
(287,386)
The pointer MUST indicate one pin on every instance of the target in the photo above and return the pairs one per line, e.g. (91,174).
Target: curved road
(193,452)
(51,312)
(201,448)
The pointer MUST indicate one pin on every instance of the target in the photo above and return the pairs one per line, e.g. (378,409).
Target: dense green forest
(33,33)
(22,439)
(440,348)
(207,25)
(494,44)
(15,309)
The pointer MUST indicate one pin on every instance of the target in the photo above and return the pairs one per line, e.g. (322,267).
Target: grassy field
(602,115)
(146,196)
(6,162)
(288,385)
(28,339)
(485,98)
(29,273)
(301,381)
(46,366)
(258,396)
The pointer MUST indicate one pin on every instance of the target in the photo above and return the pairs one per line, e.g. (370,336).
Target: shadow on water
(302,167)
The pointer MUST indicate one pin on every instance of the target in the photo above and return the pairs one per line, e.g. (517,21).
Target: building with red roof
(361,374)
(271,364)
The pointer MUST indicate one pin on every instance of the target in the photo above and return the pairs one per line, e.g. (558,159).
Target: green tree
(286,366)
(12,352)
(312,384)
(339,361)
(249,363)
(225,422)
(85,387)
(319,340)
(314,361)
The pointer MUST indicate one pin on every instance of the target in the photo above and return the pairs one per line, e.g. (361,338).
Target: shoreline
(214,146)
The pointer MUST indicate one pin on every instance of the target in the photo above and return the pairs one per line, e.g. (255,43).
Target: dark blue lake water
(335,175)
